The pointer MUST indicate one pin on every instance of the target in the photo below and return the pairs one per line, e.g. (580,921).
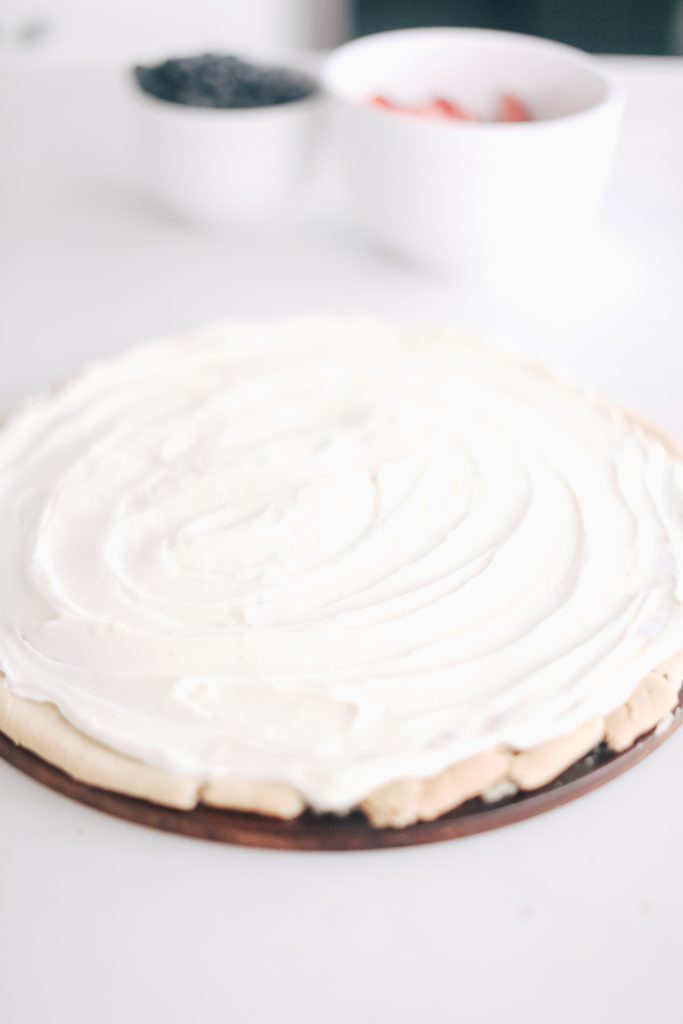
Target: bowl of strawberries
(471,148)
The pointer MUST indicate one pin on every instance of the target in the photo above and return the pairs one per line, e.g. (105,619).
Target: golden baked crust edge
(42,729)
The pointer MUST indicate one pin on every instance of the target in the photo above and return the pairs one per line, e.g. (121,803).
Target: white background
(109,29)
(575,916)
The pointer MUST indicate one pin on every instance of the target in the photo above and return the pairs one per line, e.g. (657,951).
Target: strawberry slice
(383,103)
(439,108)
(454,110)
(512,109)
(442,108)
(436,109)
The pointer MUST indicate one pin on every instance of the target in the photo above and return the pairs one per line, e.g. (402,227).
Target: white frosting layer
(331,553)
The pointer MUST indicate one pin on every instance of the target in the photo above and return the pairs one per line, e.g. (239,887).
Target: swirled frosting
(332,553)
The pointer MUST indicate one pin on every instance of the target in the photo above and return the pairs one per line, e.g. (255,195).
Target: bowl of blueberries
(222,139)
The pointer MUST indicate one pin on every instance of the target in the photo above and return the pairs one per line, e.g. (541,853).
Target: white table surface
(574,916)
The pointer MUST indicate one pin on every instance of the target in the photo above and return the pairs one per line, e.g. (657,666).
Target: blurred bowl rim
(613,94)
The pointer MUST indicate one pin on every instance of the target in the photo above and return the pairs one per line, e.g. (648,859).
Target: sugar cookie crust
(40,728)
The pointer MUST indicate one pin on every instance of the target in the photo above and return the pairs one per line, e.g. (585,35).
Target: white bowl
(463,195)
(214,167)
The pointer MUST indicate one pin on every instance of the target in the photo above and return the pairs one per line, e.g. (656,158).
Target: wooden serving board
(329,832)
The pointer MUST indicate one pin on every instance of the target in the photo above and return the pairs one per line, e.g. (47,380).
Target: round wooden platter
(329,832)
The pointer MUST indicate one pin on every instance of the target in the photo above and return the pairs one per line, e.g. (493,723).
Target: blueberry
(222,81)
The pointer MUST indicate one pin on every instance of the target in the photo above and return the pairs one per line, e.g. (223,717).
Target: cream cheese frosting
(332,553)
